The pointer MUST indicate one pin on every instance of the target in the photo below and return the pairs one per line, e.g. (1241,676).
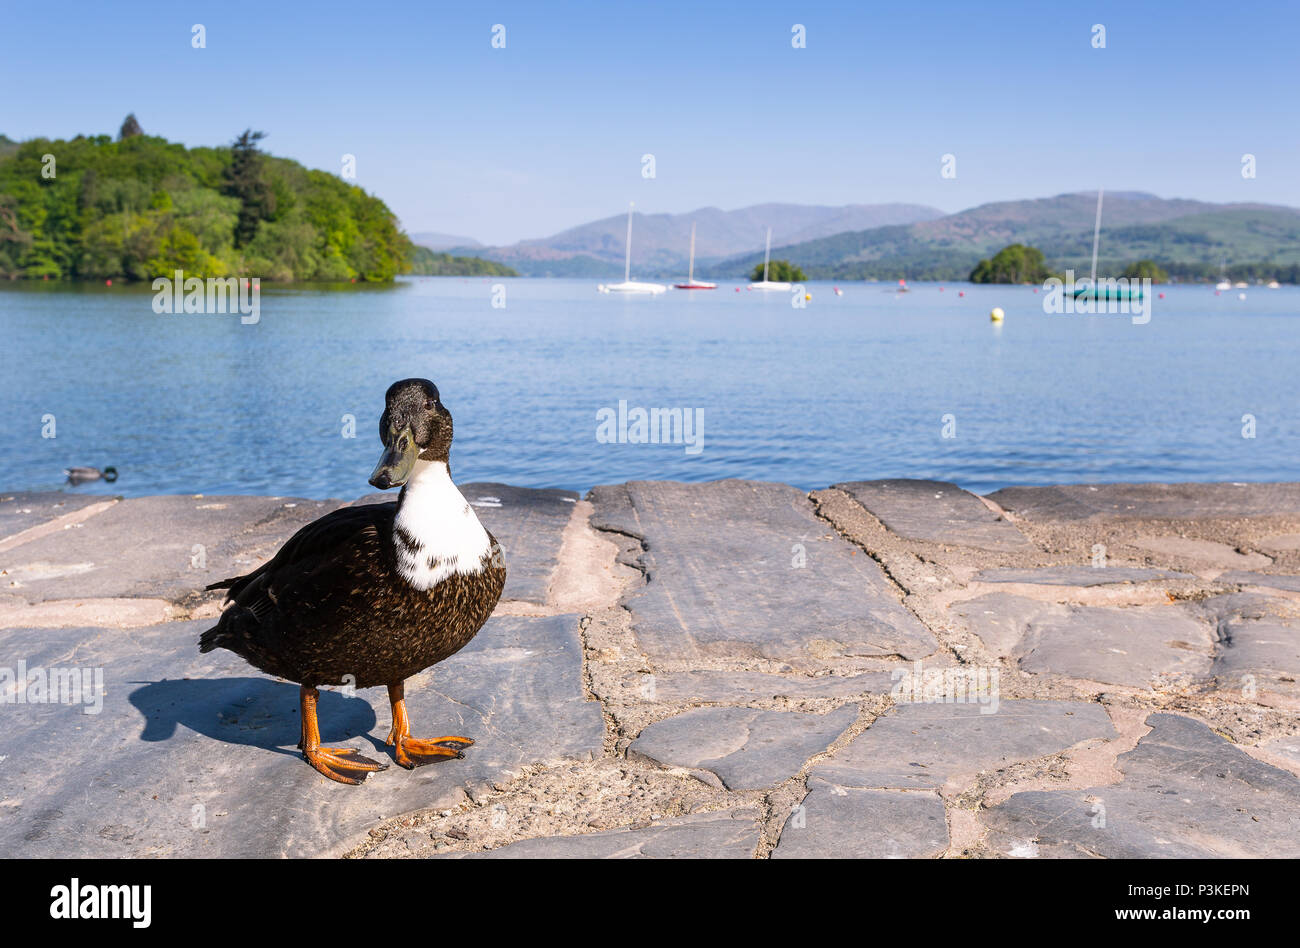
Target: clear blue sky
(501,144)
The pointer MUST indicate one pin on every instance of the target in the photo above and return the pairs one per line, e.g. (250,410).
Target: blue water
(851,387)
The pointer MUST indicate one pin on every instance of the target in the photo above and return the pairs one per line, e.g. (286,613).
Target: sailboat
(691,283)
(629,285)
(1224,283)
(1091,291)
(765,283)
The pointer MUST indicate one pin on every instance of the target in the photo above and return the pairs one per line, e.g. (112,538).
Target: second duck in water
(376,593)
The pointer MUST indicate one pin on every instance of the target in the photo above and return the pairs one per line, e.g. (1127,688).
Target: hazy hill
(1182,233)
(436,241)
(661,242)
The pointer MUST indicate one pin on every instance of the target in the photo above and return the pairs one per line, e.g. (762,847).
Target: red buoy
(108,282)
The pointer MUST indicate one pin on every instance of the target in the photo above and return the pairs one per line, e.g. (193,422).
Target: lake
(851,387)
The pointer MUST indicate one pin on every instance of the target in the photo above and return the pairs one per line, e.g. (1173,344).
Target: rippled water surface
(850,387)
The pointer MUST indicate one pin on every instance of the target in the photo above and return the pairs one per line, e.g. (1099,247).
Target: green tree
(1146,270)
(130,128)
(139,207)
(1016,263)
(779,271)
(246,180)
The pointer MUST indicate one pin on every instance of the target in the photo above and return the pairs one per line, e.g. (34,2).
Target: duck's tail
(212,638)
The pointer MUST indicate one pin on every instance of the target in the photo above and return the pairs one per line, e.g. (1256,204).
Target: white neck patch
(436,533)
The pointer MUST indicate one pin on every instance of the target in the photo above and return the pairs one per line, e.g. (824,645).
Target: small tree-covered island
(140,207)
(780,271)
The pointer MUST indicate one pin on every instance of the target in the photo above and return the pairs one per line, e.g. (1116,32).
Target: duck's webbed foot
(411,752)
(342,764)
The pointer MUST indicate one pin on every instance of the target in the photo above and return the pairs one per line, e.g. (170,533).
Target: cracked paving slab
(1185,793)
(1285,582)
(748,749)
(930,746)
(156,547)
(1134,646)
(1077,575)
(744,570)
(165,768)
(1148,501)
(839,822)
(740,687)
(1257,653)
(937,512)
(23,512)
(729,834)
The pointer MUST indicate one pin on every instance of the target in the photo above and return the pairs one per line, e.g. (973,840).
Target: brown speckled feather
(331,604)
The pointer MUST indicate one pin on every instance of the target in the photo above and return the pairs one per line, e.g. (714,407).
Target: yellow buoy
(807,296)
(997,314)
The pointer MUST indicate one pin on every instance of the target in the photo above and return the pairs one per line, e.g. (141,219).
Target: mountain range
(661,242)
(890,241)
(1188,237)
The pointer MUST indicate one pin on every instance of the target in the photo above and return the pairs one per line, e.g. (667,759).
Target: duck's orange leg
(411,752)
(338,763)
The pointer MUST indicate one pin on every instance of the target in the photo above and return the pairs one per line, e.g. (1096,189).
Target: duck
(372,595)
(84,475)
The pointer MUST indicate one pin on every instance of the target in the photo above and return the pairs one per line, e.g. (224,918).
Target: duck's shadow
(252,711)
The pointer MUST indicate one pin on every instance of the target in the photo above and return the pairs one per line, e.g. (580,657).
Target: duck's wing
(317,547)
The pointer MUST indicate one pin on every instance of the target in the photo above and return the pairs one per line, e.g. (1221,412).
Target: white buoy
(996,315)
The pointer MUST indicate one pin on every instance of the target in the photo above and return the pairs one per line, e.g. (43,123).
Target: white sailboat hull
(769,285)
(632,286)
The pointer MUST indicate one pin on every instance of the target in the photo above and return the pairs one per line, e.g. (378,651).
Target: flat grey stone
(528,523)
(1205,552)
(923,746)
(180,731)
(999,619)
(1258,655)
(729,834)
(1131,646)
(748,749)
(1281,543)
(1271,580)
(22,510)
(1287,746)
(722,578)
(1186,793)
(937,512)
(851,823)
(1148,501)
(1078,575)
(735,687)
(164,547)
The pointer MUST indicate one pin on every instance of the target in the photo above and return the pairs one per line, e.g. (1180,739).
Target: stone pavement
(734,669)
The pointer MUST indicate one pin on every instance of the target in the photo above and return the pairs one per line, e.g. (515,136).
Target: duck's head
(415,426)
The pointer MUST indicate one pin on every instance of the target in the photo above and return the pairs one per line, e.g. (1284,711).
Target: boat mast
(627,259)
(767,254)
(690,276)
(1096,236)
